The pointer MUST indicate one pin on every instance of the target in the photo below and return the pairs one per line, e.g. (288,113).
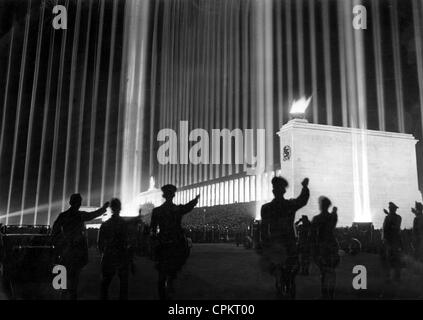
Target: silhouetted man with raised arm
(70,240)
(172,249)
(278,234)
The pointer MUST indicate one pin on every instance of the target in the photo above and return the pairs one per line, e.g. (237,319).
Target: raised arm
(302,199)
(87,216)
(190,205)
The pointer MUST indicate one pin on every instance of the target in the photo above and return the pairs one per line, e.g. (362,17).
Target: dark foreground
(224,271)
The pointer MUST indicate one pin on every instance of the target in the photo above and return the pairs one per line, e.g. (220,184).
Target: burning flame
(300,105)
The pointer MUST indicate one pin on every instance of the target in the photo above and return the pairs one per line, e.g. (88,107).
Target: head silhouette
(169,191)
(75,201)
(115,205)
(392,207)
(279,186)
(324,203)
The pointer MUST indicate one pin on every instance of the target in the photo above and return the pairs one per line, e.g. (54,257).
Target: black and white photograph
(211,150)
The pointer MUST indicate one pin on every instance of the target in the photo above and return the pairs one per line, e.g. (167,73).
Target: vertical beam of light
(288,27)
(313,57)
(82,99)
(139,96)
(237,76)
(260,43)
(163,77)
(168,67)
(342,65)
(300,45)
(218,73)
(377,40)
(168,79)
(45,122)
(180,78)
(6,91)
(176,77)
(32,106)
(362,112)
(199,85)
(56,122)
(121,110)
(224,84)
(259,58)
(360,74)
(252,67)
(350,65)
(230,75)
(207,83)
(418,37)
(327,58)
(354,48)
(268,81)
(186,92)
(108,100)
(95,99)
(279,60)
(212,95)
(71,98)
(18,107)
(135,103)
(397,65)
(153,102)
(245,71)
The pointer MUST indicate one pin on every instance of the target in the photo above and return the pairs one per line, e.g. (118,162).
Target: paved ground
(224,271)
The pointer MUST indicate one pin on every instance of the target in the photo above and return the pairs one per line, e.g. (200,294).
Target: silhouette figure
(278,235)
(171,250)
(70,241)
(114,248)
(418,231)
(304,246)
(392,244)
(325,246)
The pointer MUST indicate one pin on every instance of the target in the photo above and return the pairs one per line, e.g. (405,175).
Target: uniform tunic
(172,250)
(277,231)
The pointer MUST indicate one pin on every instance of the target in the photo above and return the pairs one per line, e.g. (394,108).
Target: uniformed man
(392,243)
(70,240)
(114,247)
(278,234)
(325,246)
(172,249)
(304,246)
(418,230)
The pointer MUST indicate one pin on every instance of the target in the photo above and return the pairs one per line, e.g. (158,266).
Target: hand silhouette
(305,182)
(106,205)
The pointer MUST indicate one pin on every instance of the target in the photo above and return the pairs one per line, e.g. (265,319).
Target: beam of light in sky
(32,106)
(418,30)
(18,108)
(58,110)
(136,12)
(44,125)
(71,99)
(94,100)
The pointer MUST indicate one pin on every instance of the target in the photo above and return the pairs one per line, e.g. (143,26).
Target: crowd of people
(287,247)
